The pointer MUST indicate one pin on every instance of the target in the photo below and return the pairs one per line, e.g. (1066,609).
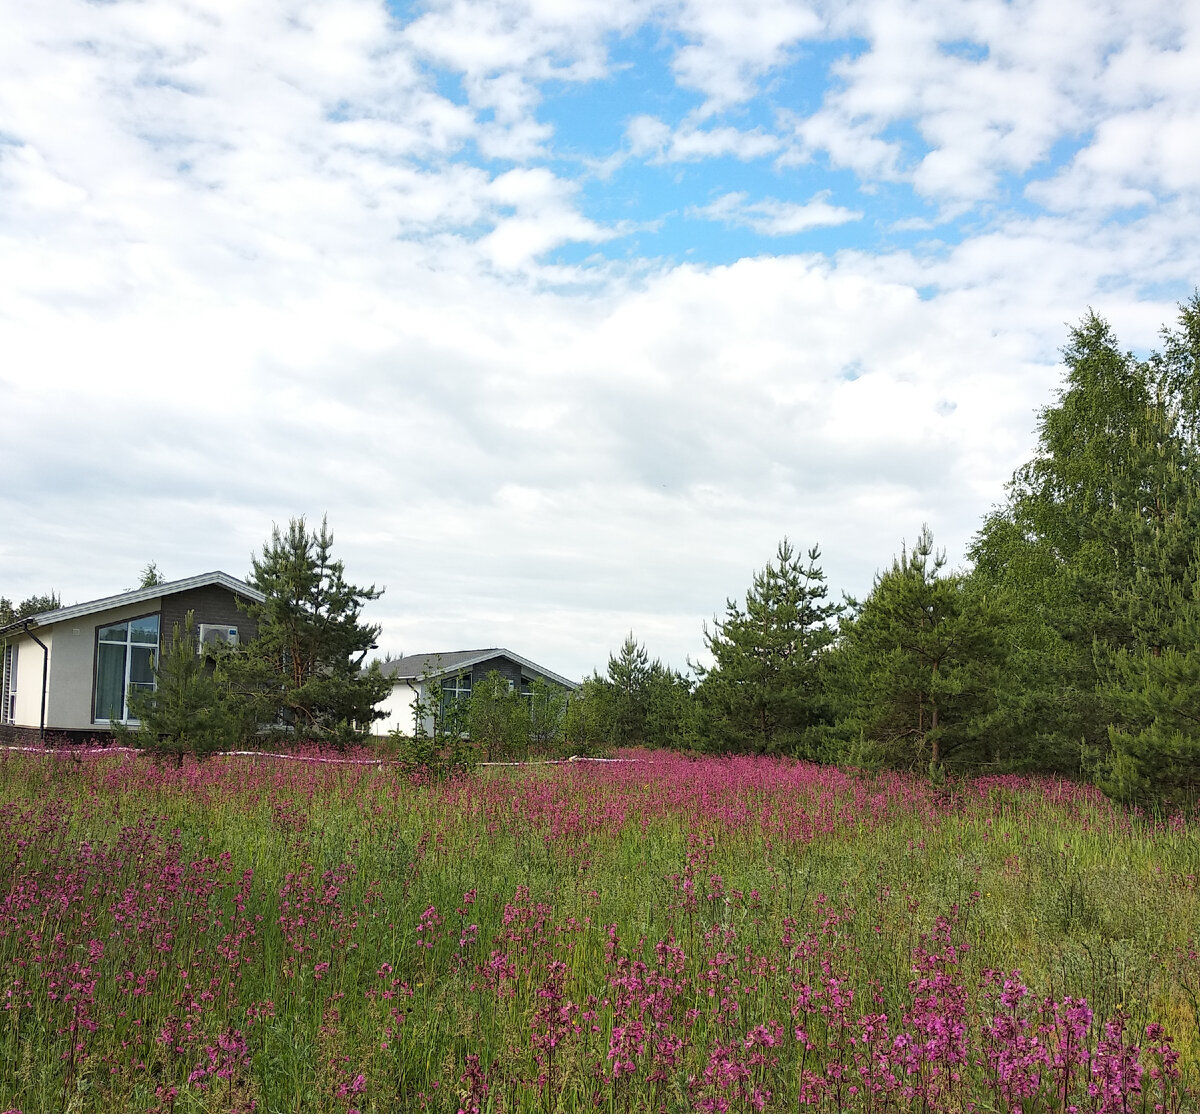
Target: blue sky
(564,313)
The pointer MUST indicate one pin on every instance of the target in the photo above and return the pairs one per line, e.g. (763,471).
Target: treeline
(1071,646)
(10,612)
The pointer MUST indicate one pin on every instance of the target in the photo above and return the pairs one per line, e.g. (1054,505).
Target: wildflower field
(666,934)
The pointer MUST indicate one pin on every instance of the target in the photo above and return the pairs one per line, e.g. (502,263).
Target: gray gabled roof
(412,667)
(139,595)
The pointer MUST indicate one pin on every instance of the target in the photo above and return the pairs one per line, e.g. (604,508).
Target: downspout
(45,678)
(417,691)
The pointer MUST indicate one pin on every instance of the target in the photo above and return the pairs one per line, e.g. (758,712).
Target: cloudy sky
(564,311)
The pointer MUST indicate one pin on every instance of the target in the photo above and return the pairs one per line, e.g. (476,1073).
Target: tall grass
(254,934)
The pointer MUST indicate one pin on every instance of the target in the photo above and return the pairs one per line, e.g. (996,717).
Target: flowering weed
(716,935)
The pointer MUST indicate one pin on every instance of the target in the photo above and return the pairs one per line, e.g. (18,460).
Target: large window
(125,656)
(8,685)
(456,695)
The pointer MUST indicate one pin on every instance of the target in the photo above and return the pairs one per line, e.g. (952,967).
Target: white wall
(399,709)
(28,691)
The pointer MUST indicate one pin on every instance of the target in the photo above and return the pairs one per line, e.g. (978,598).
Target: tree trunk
(936,757)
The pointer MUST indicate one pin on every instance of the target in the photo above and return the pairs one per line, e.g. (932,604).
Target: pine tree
(1094,536)
(1151,689)
(629,680)
(187,711)
(34,605)
(763,692)
(302,673)
(1155,755)
(151,576)
(639,702)
(917,663)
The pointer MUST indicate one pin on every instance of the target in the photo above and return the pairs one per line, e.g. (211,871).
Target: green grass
(113,868)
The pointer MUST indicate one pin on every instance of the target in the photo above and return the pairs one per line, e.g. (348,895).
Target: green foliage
(547,709)
(151,577)
(309,882)
(764,692)
(497,719)
(671,710)
(1096,536)
(1154,695)
(187,711)
(917,664)
(302,673)
(416,752)
(586,724)
(638,703)
(439,746)
(34,605)
(629,682)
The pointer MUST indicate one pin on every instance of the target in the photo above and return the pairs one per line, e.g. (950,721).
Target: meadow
(741,934)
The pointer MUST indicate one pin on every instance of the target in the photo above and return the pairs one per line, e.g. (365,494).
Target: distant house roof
(139,595)
(412,667)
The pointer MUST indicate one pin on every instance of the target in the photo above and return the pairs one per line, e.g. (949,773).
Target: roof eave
(485,655)
(137,595)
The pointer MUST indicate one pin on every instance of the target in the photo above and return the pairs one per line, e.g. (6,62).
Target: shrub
(187,712)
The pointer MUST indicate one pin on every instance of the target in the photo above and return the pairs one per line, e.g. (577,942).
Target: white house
(457,672)
(70,671)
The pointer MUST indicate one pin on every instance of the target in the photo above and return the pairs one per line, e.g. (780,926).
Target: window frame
(129,644)
(455,694)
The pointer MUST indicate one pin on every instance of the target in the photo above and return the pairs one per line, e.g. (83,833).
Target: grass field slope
(664,934)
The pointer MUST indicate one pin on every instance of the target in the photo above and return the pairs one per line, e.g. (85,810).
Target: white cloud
(647,135)
(690,143)
(504,49)
(1132,159)
(623,457)
(252,266)
(989,89)
(562,39)
(771,217)
(734,43)
(543,218)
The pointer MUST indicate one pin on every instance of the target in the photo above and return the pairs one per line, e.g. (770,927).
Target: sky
(564,312)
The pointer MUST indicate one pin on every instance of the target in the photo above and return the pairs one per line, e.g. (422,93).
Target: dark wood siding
(506,668)
(212,604)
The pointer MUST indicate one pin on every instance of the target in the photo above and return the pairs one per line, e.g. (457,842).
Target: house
(456,672)
(70,671)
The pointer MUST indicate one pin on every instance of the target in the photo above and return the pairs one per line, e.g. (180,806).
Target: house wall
(509,670)
(73,656)
(399,705)
(212,604)
(73,664)
(28,710)
(399,708)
